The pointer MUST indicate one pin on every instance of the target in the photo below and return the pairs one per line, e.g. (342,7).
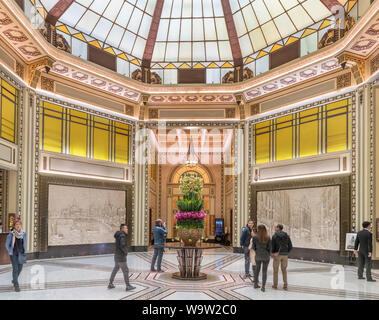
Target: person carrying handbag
(252,252)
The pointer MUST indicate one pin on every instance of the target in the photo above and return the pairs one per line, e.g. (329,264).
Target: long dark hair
(263,236)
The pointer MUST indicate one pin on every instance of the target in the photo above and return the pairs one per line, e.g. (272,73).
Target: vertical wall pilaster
(364,209)
(241,182)
(27,171)
(140,214)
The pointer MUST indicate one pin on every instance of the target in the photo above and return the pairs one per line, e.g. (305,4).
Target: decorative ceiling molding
(35,47)
(192,99)
(57,11)
(18,39)
(152,37)
(368,39)
(232,32)
(94,80)
(293,78)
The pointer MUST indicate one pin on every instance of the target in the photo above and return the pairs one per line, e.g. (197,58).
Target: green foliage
(190,204)
(190,224)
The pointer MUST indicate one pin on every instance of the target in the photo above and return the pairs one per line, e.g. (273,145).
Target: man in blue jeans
(160,233)
(245,242)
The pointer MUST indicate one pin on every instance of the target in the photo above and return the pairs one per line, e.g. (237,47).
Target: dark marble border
(80,251)
(45,181)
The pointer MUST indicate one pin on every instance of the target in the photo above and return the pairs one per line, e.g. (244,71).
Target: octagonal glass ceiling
(194,33)
(189,30)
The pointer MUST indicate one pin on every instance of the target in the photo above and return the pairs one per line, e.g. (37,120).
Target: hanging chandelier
(192,158)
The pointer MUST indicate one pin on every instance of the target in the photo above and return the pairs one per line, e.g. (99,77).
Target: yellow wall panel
(9,87)
(100,144)
(336,139)
(78,140)
(284,144)
(52,134)
(308,139)
(121,148)
(262,148)
(8,123)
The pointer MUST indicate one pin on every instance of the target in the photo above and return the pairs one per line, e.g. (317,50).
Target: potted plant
(190,218)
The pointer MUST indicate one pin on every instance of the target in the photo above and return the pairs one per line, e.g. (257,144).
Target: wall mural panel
(311,216)
(80,215)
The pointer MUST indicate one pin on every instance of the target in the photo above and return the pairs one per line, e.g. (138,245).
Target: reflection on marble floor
(86,278)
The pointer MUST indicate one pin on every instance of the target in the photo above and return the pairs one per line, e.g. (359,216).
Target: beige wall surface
(376,102)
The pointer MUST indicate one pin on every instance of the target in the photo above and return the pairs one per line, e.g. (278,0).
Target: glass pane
(284,138)
(101,139)
(78,133)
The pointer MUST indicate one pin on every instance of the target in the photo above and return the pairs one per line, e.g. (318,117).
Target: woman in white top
(251,250)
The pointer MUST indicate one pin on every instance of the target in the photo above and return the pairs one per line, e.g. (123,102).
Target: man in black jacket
(245,242)
(364,241)
(281,247)
(121,251)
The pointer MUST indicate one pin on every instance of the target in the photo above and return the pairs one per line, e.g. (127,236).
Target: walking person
(16,247)
(160,233)
(262,248)
(245,242)
(364,242)
(121,251)
(252,252)
(281,247)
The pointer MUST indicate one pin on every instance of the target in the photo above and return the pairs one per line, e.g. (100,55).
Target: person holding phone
(160,234)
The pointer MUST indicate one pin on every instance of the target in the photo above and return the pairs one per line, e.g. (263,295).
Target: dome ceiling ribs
(331,3)
(58,10)
(233,38)
(152,37)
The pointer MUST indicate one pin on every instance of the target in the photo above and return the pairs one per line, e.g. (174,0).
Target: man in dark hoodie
(281,247)
(121,251)
(245,242)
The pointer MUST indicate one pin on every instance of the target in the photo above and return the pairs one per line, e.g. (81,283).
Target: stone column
(241,183)
(28,175)
(375,107)
(139,219)
(364,182)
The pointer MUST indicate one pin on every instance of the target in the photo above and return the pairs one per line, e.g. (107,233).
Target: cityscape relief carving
(311,216)
(84,215)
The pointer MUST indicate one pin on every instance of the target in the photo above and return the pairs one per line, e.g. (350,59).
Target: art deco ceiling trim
(15,29)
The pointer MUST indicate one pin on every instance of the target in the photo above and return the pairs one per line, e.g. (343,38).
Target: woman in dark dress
(262,248)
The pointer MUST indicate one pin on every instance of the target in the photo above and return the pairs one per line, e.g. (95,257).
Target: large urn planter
(190,237)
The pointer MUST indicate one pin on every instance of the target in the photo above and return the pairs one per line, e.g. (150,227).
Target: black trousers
(364,261)
(124,267)
(16,269)
(264,265)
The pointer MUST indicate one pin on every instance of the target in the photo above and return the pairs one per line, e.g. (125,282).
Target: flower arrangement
(191,184)
(190,215)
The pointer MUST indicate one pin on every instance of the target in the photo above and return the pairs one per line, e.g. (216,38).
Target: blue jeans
(17,268)
(158,253)
(247,259)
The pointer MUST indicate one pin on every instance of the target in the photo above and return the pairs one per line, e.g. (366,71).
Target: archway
(208,194)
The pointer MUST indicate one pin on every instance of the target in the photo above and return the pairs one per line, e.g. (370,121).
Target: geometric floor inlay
(87,278)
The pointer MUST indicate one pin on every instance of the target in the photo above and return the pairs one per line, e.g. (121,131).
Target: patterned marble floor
(86,278)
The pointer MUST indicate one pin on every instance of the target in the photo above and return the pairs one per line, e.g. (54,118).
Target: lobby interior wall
(344,182)
(375,101)
(47,251)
